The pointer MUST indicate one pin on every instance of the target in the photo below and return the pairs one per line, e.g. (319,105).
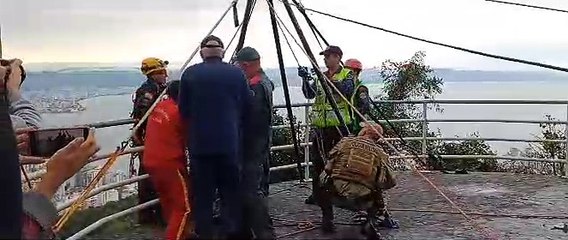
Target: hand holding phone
(46,142)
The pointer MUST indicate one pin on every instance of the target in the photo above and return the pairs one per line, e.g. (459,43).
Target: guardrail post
(307,141)
(566,145)
(424,126)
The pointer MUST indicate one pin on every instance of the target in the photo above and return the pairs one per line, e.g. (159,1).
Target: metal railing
(424,139)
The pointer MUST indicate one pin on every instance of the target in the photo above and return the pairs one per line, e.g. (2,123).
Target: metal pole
(566,146)
(321,77)
(246,20)
(285,88)
(0,41)
(424,126)
(301,9)
(307,142)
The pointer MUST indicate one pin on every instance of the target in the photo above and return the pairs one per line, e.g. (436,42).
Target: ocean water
(119,107)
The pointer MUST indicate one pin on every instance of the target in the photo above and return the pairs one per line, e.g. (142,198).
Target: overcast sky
(129,30)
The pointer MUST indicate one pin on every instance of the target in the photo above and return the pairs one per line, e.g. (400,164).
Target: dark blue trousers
(209,173)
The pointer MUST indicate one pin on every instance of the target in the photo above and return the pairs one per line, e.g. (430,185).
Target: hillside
(128,77)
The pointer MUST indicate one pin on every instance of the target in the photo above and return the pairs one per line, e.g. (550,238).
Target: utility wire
(288,43)
(529,6)
(542,65)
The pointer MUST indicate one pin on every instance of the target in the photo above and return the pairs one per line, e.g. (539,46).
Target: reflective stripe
(182,226)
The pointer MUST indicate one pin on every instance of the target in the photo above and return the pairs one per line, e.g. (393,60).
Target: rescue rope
(529,6)
(246,20)
(309,21)
(235,35)
(510,59)
(234,2)
(120,149)
(452,203)
(324,85)
(289,45)
(84,195)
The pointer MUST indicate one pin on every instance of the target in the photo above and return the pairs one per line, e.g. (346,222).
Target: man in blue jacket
(213,100)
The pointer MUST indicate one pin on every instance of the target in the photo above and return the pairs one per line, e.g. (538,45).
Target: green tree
(410,80)
(468,147)
(551,148)
(407,80)
(283,136)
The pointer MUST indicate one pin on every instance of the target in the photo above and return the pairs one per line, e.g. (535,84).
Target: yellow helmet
(152,64)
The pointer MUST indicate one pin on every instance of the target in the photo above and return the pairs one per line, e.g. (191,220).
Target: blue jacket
(213,102)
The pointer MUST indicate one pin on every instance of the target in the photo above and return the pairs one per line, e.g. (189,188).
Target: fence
(305,144)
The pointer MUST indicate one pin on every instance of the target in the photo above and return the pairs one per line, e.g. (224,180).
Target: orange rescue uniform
(165,161)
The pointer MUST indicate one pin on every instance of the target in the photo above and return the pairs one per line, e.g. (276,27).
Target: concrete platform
(419,208)
(424,214)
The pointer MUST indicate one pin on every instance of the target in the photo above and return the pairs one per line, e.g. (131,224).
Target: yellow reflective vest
(322,112)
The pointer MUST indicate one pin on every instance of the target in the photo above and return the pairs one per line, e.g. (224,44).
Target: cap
(332,49)
(212,38)
(247,54)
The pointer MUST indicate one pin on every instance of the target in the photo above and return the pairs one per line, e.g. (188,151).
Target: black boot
(310,200)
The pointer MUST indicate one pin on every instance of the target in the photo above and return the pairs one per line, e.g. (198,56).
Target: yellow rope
(61,222)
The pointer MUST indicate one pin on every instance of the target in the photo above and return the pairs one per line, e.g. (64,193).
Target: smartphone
(45,142)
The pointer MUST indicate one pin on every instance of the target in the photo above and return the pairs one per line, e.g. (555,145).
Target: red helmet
(354,64)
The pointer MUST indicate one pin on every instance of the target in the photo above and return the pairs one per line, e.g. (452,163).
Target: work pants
(324,139)
(146,192)
(211,172)
(171,184)
(255,206)
(265,179)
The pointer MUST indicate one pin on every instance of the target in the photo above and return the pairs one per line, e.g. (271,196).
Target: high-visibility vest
(322,112)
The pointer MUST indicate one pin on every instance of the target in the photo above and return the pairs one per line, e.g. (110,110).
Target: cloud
(128,30)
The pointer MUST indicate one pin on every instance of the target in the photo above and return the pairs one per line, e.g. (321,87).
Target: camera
(7,64)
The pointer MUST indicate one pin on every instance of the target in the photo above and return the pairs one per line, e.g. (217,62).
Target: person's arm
(333,154)
(183,96)
(142,103)
(23,111)
(363,100)
(39,212)
(309,89)
(246,97)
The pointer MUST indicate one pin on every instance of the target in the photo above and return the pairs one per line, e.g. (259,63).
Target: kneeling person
(358,173)
(165,161)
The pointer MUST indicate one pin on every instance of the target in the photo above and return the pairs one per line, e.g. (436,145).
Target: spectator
(165,161)
(39,212)
(213,102)
(22,112)
(255,170)
(11,190)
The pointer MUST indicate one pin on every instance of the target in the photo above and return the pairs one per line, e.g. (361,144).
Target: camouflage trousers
(352,196)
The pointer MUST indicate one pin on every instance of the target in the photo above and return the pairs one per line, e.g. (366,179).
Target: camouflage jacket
(144,97)
(358,167)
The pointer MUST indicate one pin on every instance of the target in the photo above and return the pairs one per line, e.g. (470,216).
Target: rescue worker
(165,161)
(258,138)
(214,98)
(327,125)
(360,98)
(155,71)
(356,175)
